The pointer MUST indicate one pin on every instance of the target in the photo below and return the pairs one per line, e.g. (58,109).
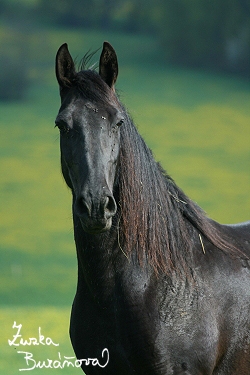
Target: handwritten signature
(60,363)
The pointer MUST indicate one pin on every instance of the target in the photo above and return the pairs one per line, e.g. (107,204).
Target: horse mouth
(96,227)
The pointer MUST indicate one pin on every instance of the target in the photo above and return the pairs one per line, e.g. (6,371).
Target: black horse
(162,289)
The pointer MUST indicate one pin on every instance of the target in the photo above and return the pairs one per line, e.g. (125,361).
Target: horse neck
(158,221)
(99,260)
(105,271)
(151,220)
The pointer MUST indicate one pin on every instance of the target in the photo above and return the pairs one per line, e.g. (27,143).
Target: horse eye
(62,126)
(120,122)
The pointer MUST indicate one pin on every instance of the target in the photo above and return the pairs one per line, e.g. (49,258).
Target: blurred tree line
(198,33)
(210,33)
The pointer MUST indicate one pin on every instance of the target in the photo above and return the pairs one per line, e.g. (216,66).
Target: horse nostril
(83,208)
(96,209)
(109,207)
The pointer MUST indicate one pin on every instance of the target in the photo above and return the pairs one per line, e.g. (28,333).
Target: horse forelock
(90,86)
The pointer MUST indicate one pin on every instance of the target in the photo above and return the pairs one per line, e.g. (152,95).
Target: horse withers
(162,289)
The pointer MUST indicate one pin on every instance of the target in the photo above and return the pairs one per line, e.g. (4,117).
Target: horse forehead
(93,111)
(85,114)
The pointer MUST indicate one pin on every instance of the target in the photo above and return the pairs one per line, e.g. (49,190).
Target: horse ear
(108,66)
(65,67)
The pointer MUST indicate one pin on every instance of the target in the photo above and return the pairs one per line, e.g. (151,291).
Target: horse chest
(141,338)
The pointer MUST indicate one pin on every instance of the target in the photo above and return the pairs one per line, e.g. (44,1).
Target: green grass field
(197,124)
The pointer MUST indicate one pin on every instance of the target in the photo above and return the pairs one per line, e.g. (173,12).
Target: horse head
(89,122)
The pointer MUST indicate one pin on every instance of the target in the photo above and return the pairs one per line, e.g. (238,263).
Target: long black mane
(155,218)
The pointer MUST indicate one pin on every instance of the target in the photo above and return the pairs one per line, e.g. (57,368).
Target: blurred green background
(184,76)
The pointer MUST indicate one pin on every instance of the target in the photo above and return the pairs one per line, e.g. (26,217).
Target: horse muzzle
(95,214)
